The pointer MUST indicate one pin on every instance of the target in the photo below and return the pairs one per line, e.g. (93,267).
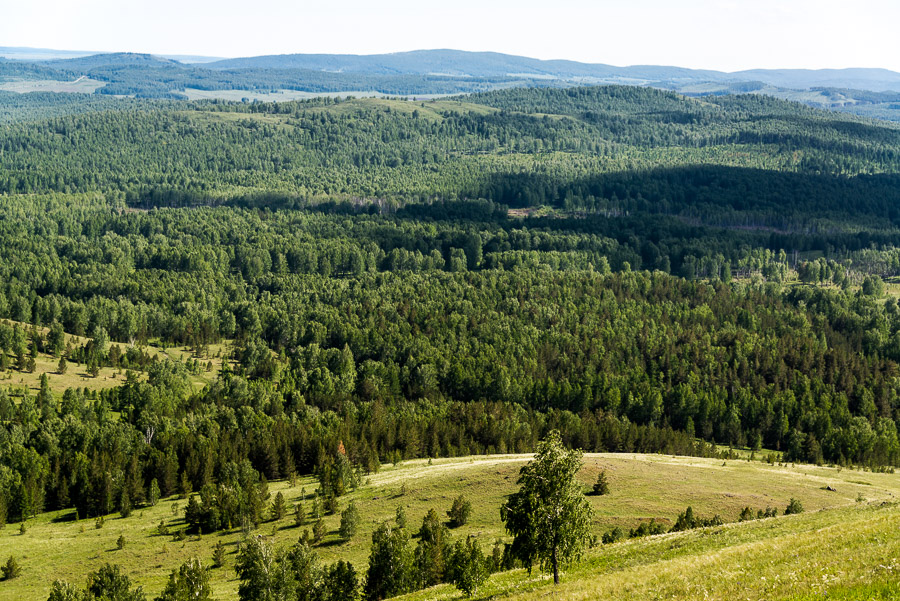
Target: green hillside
(245,292)
(643,487)
(846,554)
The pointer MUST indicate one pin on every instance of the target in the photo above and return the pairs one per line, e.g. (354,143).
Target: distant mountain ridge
(868,92)
(494,64)
(20,53)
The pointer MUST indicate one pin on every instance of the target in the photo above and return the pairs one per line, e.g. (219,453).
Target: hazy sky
(717,34)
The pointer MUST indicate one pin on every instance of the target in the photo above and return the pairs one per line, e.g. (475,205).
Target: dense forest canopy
(638,270)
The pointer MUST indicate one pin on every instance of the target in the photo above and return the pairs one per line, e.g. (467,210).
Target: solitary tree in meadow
(548,517)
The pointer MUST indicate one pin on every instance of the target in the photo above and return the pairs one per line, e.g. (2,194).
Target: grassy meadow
(643,487)
(77,376)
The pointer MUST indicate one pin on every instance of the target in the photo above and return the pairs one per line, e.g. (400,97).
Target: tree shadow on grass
(67,516)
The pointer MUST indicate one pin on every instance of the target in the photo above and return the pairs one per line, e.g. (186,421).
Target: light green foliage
(63,591)
(340,582)
(459,512)
(468,566)
(548,517)
(153,498)
(259,570)
(390,570)
(110,584)
(190,582)
(350,519)
(432,553)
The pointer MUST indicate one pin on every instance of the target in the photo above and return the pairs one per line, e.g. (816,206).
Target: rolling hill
(437,72)
(863,505)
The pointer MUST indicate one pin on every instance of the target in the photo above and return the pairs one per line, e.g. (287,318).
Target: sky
(727,35)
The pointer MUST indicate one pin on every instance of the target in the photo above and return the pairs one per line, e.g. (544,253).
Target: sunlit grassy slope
(17,381)
(806,550)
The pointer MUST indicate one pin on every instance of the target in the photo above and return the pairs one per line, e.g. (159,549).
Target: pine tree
(432,552)
(400,517)
(125,503)
(340,582)
(110,583)
(795,506)
(601,487)
(11,569)
(278,507)
(219,554)
(319,531)
(350,519)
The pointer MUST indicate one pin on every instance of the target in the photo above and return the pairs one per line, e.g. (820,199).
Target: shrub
(11,569)
(120,542)
(746,515)
(459,512)
(794,506)
(613,536)
(647,529)
(685,521)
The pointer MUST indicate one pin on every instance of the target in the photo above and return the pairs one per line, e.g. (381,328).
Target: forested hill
(639,270)
(742,161)
(871,92)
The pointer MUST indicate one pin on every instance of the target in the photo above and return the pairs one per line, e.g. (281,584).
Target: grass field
(77,376)
(847,553)
(643,487)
